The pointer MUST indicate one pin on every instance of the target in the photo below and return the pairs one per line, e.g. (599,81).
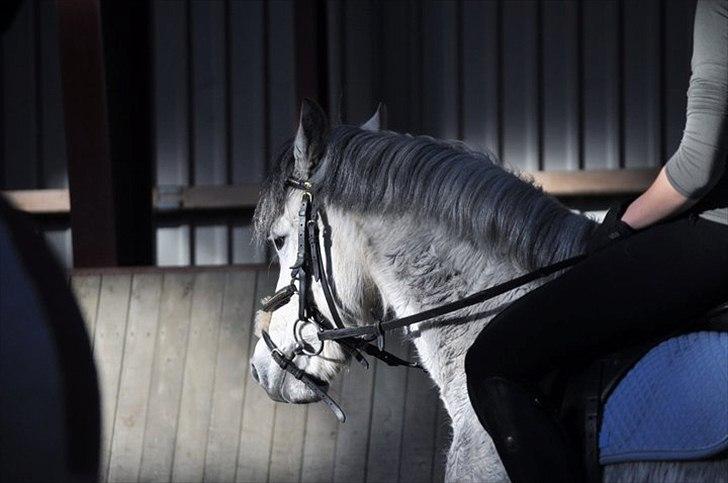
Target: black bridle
(308,268)
(356,340)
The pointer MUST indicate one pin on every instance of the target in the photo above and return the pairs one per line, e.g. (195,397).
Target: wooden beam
(245,196)
(170,198)
(40,201)
(105,65)
(594,182)
(128,66)
(90,174)
(244,267)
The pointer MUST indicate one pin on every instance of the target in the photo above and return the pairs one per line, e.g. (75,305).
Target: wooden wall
(546,84)
(172,348)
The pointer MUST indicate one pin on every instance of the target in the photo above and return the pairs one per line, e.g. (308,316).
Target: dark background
(547,85)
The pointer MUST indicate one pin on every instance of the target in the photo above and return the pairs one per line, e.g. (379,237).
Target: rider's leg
(636,290)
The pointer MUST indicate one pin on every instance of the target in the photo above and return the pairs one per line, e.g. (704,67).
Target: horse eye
(279,242)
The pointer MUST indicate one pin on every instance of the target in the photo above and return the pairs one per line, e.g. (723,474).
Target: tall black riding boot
(531,444)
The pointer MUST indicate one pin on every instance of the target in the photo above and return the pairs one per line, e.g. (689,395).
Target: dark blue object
(673,405)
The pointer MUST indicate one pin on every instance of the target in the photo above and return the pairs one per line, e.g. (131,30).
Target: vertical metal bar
(500,68)
(580,83)
(228,122)
(459,28)
(539,53)
(417,69)
(620,81)
(266,87)
(343,105)
(378,54)
(311,53)
(228,95)
(192,175)
(677,45)
(190,122)
(40,162)
(661,110)
(266,107)
(3,159)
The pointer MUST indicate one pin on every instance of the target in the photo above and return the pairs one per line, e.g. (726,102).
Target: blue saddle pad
(673,405)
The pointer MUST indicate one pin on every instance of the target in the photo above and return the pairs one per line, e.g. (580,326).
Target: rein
(380,328)
(356,341)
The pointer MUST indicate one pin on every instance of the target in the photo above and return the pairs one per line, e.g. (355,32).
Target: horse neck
(415,255)
(417,265)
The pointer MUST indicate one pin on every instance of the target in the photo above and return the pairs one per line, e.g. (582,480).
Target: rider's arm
(699,162)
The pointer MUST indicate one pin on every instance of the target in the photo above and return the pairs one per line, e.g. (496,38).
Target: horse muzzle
(279,384)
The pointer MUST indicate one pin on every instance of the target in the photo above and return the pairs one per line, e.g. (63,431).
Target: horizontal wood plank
(594,182)
(193,198)
(241,267)
(40,201)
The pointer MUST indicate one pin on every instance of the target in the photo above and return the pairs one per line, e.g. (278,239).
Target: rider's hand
(611,230)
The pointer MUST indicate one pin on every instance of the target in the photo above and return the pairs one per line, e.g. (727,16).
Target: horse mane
(470,192)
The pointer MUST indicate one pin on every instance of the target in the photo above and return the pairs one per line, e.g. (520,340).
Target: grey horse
(417,222)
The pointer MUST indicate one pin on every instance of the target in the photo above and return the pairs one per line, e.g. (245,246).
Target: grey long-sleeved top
(698,167)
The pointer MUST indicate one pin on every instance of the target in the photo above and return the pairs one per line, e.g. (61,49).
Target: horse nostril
(254,372)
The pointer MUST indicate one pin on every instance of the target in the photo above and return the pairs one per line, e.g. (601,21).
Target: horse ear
(378,121)
(310,142)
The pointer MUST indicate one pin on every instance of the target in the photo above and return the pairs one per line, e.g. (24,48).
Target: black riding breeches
(639,289)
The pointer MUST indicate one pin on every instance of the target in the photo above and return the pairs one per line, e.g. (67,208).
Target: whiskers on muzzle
(262,322)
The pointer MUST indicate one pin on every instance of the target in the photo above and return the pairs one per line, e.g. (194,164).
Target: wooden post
(93,224)
(106,52)
(127,50)
(311,53)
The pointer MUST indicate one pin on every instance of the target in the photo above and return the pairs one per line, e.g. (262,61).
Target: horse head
(342,249)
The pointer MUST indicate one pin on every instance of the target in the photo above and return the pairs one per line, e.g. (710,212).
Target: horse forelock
(273,193)
(437,181)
